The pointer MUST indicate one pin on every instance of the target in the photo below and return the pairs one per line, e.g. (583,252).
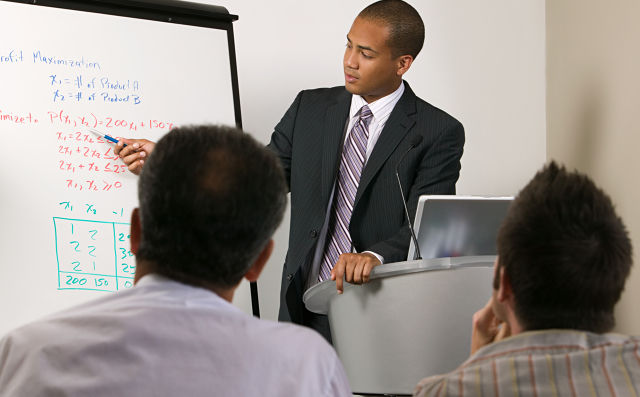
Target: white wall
(483,62)
(593,98)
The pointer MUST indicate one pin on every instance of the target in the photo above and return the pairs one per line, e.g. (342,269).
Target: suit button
(313,233)
(289,277)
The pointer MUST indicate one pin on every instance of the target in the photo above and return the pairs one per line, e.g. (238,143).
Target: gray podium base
(412,320)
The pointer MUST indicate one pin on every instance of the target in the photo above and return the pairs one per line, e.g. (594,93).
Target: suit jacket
(309,139)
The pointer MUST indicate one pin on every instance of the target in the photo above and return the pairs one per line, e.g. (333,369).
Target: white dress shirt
(381,110)
(164,338)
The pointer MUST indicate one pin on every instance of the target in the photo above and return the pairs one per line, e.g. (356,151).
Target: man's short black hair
(406,29)
(566,253)
(210,199)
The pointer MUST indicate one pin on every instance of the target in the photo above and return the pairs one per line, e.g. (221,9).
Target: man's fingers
(485,327)
(485,317)
(134,154)
(351,267)
(356,267)
(123,152)
(136,167)
(337,274)
(370,261)
(148,147)
(119,146)
(339,287)
(135,162)
(357,272)
(366,272)
(503,332)
(133,157)
(133,146)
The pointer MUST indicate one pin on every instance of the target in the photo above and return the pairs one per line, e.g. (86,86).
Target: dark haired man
(195,236)
(340,147)
(564,257)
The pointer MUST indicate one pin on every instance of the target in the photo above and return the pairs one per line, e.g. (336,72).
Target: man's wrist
(380,258)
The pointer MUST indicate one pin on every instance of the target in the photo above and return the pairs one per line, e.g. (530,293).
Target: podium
(413,319)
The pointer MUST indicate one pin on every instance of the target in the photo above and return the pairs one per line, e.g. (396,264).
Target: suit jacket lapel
(394,131)
(333,136)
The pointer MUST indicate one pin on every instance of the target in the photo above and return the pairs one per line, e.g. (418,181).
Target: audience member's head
(210,199)
(565,252)
(406,29)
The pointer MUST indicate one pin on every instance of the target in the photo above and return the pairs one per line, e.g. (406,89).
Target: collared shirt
(164,338)
(381,110)
(545,363)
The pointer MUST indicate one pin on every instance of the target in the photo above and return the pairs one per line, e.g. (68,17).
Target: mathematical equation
(111,165)
(62,117)
(103,89)
(89,162)
(92,185)
(93,255)
(90,159)
(83,154)
(91,167)
(78,138)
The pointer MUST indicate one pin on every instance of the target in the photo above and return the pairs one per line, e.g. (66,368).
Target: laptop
(451,226)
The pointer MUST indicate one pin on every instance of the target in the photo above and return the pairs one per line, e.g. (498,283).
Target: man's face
(369,68)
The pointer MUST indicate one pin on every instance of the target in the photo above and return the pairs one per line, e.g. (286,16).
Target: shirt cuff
(380,258)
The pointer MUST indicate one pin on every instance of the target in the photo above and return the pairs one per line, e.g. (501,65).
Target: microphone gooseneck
(415,141)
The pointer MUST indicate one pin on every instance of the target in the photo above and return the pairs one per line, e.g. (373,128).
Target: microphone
(415,141)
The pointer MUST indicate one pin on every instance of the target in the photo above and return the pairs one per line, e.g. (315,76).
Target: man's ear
(504,292)
(256,268)
(136,231)
(404,63)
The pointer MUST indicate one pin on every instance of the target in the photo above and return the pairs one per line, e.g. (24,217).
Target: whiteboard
(66,199)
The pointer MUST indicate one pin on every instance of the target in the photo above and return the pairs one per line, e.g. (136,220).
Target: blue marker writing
(105,136)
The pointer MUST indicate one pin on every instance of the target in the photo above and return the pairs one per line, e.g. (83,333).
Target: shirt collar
(155,281)
(377,106)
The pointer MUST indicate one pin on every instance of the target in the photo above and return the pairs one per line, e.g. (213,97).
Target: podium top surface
(317,298)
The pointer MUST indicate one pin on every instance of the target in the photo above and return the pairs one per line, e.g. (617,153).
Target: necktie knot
(366,115)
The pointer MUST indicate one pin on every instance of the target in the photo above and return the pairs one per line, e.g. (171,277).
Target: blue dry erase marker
(104,136)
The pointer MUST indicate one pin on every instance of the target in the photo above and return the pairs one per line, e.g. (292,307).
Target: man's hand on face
(487,328)
(353,268)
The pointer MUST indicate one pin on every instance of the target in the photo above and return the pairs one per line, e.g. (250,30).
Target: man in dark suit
(363,222)
(346,211)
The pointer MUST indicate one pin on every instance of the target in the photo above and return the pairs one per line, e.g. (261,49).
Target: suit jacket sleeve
(282,138)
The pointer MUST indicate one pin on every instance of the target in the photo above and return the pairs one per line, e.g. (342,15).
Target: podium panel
(395,330)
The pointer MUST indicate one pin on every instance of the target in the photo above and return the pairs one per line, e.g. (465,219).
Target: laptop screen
(451,226)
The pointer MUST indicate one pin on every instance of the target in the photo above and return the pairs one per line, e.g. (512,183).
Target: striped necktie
(351,164)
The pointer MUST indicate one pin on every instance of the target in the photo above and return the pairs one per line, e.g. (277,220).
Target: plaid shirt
(545,363)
